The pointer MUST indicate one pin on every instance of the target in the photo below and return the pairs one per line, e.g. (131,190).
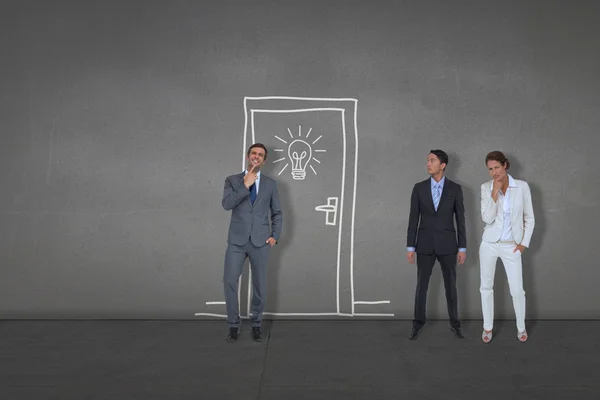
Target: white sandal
(486,336)
(522,336)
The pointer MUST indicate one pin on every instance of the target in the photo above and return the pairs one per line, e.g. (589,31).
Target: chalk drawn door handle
(330,209)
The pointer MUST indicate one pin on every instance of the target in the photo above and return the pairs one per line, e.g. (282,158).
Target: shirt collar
(511,182)
(441,182)
(257,175)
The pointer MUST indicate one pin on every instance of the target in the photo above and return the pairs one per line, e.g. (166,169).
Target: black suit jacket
(430,231)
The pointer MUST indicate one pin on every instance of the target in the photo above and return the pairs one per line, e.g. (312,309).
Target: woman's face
(496,170)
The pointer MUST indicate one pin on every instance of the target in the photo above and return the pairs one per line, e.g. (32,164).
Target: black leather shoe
(414,333)
(457,332)
(257,334)
(233,335)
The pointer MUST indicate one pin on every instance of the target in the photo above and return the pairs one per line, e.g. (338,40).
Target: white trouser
(488,254)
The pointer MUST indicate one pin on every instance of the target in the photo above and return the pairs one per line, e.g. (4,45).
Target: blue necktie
(436,196)
(253,193)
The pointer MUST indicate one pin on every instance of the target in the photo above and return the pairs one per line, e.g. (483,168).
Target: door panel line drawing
(341,207)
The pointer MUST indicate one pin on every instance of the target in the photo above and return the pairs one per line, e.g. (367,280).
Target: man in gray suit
(250,195)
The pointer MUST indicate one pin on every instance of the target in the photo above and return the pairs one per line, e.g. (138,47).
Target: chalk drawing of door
(312,153)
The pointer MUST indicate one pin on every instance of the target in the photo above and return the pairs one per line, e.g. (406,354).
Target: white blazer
(521,213)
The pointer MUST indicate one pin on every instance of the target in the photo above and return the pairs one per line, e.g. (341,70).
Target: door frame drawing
(348,107)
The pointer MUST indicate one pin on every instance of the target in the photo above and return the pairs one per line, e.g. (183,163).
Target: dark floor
(330,360)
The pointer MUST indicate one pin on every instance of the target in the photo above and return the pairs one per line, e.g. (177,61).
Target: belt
(506,242)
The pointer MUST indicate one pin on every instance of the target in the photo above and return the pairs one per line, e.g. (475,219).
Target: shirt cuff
(410,249)
(462,250)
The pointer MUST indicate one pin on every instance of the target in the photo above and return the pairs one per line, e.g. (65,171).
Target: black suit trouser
(425,263)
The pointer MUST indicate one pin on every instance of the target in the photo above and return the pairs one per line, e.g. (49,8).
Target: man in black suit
(434,204)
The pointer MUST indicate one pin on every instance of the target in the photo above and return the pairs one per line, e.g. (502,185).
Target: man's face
(433,164)
(256,158)
(496,170)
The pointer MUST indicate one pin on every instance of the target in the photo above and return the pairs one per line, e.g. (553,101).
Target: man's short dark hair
(441,155)
(262,146)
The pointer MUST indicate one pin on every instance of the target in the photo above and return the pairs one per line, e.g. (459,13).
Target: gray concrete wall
(120,121)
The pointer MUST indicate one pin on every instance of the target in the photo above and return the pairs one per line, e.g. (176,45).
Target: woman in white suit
(507,211)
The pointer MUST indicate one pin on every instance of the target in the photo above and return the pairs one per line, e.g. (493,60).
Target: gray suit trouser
(235,256)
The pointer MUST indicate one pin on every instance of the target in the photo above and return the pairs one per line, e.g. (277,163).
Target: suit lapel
(241,178)
(428,195)
(261,188)
(513,196)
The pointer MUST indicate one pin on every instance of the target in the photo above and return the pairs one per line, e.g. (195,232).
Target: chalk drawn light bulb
(300,155)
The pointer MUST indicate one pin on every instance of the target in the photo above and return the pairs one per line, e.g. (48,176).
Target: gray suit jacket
(250,221)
